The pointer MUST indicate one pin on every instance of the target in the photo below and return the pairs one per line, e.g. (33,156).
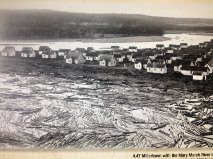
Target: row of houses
(187,60)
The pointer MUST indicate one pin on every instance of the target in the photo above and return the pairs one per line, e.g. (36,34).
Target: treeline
(54,24)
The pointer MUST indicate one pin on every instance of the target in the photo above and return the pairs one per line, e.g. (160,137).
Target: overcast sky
(165,8)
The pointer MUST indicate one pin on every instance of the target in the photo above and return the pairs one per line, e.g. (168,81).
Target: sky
(164,8)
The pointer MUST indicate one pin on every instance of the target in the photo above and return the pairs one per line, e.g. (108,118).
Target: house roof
(117,55)
(64,50)
(48,52)
(8,49)
(194,68)
(132,47)
(157,65)
(106,57)
(73,54)
(27,50)
(42,48)
(159,45)
(181,62)
(144,61)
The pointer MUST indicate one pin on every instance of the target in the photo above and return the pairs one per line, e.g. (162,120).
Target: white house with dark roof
(160,46)
(183,45)
(158,68)
(28,52)
(8,51)
(119,57)
(42,48)
(133,49)
(74,57)
(49,54)
(63,52)
(141,63)
(107,60)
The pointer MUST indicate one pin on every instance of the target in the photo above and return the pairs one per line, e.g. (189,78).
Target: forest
(32,24)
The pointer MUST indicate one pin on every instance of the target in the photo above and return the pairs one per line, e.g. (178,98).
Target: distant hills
(54,24)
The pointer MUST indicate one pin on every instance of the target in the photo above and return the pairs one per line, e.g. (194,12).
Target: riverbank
(94,40)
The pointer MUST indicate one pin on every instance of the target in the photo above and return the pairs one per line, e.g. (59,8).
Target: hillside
(55,24)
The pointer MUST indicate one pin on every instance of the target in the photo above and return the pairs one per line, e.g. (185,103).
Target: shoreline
(96,40)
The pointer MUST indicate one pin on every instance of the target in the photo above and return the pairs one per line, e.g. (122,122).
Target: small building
(169,51)
(89,57)
(114,48)
(179,63)
(63,52)
(174,46)
(160,46)
(89,49)
(107,60)
(42,48)
(136,56)
(158,68)
(74,57)
(128,55)
(119,57)
(199,76)
(53,54)
(141,63)
(8,51)
(133,49)
(48,54)
(28,52)
(183,45)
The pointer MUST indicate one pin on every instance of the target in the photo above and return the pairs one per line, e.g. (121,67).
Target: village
(194,61)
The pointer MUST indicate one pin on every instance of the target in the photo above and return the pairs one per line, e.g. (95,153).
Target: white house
(107,60)
(63,52)
(183,45)
(89,57)
(74,57)
(119,57)
(28,52)
(160,46)
(198,76)
(8,51)
(133,49)
(158,68)
(141,63)
(42,48)
(53,55)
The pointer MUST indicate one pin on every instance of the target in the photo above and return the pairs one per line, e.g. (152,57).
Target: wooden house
(107,60)
(158,68)
(159,46)
(74,57)
(28,52)
(119,57)
(89,57)
(8,51)
(49,54)
(63,52)
(179,63)
(141,63)
(128,55)
(42,48)
(183,45)
(133,49)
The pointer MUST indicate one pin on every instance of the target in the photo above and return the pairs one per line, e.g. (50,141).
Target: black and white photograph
(96,75)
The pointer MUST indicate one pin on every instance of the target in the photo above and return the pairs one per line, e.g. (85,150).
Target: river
(191,39)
